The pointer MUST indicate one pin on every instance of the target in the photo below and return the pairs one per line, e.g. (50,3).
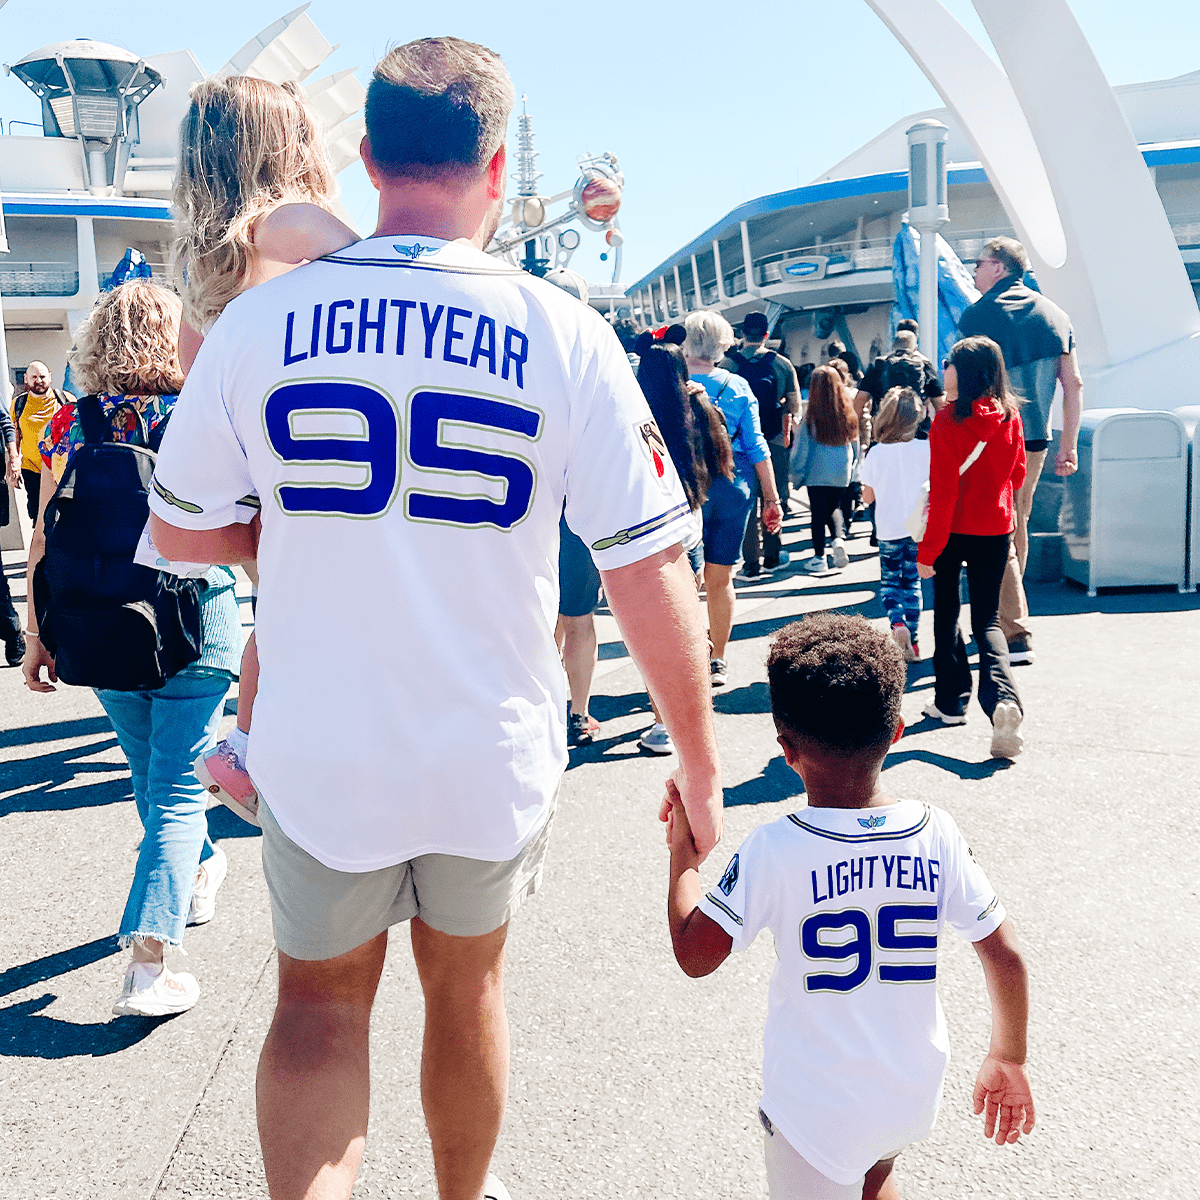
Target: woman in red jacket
(977,462)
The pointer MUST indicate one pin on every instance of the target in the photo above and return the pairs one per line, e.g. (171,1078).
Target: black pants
(825,505)
(10,623)
(850,499)
(33,491)
(984,558)
(759,541)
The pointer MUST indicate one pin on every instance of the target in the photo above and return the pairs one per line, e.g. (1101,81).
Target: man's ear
(364,150)
(495,173)
(899,731)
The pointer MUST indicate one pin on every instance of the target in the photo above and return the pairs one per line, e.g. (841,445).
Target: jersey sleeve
(969,902)
(624,498)
(740,900)
(202,479)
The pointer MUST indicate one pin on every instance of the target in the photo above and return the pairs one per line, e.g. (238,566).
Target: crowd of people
(205,439)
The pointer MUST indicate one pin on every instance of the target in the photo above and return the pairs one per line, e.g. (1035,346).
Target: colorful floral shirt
(65,432)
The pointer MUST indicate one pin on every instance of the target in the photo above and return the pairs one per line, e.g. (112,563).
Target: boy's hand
(679,829)
(1002,1093)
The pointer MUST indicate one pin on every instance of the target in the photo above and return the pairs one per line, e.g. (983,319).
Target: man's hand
(926,572)
(37,657)
(679,829)
(1003,1095)
(703,808)
(1066,462)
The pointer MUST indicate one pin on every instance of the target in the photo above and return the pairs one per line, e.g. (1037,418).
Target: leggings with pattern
(899,584)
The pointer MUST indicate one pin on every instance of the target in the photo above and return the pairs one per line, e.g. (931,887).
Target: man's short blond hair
(709,335)
(437,107)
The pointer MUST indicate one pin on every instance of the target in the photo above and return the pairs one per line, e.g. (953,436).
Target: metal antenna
(526,176)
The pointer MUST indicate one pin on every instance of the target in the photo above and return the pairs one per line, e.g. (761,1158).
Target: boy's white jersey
(411,414)
(855,1045)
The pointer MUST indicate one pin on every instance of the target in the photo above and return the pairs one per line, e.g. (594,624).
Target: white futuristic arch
(1061,157)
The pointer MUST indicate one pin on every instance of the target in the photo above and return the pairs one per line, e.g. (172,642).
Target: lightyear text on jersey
(908,871)
(454,335)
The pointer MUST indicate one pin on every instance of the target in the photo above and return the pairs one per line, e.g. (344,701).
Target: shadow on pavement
(777,782)
(31,735)
(956,766)
(1066,599)
(753,698)
(27,974)
(26,1034)
(51,772)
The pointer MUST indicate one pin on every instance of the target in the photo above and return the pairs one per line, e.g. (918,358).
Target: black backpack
(759,373)
(109,622)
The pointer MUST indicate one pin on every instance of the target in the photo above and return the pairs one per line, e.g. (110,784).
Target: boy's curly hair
(836,684)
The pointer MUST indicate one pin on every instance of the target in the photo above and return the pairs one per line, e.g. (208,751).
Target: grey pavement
(628,1078)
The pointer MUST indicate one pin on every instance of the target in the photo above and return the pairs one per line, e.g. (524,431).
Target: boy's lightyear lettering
(909,871)
(455,335)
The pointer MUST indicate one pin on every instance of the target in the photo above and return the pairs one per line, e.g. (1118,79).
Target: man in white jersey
(413,415)
(855,888)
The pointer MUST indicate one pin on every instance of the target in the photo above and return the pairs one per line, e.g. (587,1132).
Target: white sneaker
(151,990)
(840,557)
(209,877)
(816,565)
(1006,730)
(493,1189)
(903,639)
(934,713)
(657,740)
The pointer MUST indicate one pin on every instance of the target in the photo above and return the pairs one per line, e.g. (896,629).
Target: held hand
(679,829)
(701,807)
(1002,1093)
(37,657)
(695,388)
(1066,462)
(773,516)
(925,572)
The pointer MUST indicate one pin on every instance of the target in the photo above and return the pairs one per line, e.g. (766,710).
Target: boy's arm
(1002,1086)
(700,944)
(296,233)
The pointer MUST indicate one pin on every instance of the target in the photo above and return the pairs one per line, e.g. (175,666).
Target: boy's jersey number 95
(322,407)
(846,937)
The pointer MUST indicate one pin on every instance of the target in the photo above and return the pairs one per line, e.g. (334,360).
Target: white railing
(38,278)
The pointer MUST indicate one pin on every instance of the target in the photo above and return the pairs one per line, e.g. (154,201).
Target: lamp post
(927,213)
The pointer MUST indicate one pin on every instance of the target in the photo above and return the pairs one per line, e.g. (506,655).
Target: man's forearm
(657,608)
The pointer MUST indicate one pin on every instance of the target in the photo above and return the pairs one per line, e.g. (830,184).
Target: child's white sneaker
(151,990)
(903,639)
(209,877)
(1006,730)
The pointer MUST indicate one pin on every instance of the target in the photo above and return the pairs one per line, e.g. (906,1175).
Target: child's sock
(238,740)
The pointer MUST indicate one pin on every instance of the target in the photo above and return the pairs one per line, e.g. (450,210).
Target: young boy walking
(855,889)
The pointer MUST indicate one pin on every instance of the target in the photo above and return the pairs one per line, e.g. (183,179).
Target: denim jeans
(985,559)
(899,583)
(161,733)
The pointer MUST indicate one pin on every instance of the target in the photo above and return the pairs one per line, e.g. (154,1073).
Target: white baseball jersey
(412,414)
(855,1045)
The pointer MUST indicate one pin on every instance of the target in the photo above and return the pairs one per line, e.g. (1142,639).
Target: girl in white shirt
(893,475)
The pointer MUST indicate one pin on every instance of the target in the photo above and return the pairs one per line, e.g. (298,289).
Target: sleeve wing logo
(172,499)
(730,878)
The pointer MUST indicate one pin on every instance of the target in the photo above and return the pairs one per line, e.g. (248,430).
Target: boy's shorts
(321,913)
(790,1176)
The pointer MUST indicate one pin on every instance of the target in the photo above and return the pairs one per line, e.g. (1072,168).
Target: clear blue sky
(703,110)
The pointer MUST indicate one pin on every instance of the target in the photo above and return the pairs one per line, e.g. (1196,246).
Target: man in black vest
(772,379)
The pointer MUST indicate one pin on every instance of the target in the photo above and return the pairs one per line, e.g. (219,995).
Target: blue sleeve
(749,430)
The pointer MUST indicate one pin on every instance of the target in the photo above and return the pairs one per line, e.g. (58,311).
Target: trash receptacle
(1190,416)
(1124,511)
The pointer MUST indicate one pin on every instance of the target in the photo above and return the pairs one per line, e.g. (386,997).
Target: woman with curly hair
(127,357)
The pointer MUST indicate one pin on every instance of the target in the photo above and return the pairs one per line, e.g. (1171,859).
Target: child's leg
(880,1183)
(910,587)
(248,685)
(891,581)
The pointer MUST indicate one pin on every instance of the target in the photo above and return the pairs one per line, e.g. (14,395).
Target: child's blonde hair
(900,413)
(245,147)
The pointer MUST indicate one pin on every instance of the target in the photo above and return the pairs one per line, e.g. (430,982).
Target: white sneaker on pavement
(151,990)
(934,713)
(493,1189)
(209,877)
(657,740)
(1006,730)
(838,553)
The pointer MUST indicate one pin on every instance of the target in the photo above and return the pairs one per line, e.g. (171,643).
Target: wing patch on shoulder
(185,505)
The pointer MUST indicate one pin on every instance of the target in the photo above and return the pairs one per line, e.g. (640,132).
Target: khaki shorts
(321,913)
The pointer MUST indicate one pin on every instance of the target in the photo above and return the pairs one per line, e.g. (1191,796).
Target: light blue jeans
(161,733)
